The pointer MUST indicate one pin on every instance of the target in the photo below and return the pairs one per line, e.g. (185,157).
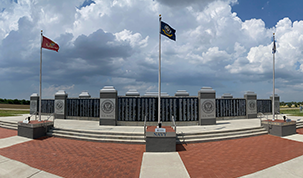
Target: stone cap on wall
(207,90)
(181,93)
(250,93)
(155,94)
(35,95)
(276,95)
(108,89)
(84,94)
(61,92)
(132,92)
(227,95)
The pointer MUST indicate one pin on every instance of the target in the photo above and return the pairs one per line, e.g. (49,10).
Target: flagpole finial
(274,34)
(159,15)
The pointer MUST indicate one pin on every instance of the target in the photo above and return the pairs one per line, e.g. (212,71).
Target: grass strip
(6,113)
(292,112)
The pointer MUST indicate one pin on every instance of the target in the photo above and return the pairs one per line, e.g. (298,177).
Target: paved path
(162,165)
(290,169)
(259,156)
(11,168)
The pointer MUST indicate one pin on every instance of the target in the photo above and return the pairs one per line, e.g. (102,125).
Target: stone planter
(158,140)
(34,129)
(279,127)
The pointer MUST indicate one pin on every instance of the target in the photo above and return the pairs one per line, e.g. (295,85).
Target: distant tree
(9,101)
(16,101)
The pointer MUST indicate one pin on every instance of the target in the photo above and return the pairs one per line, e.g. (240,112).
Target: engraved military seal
(33,105)
(59,105)
(251,105)
(107,106)
(208,106)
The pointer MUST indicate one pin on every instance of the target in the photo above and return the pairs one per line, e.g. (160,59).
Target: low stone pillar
(34,103)
(277,103)
(132,92)
(251,104)
(181,93)
(60,104)
(207,106)
(227,96)
(84,95)
(108,106)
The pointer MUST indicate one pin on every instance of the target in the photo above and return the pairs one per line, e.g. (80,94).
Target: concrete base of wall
(251,116)
(279,127)
(160,141)
(208,121)
(34,129)
(141,123)
(107,122)
(59,116)
(231,118)
(83,118)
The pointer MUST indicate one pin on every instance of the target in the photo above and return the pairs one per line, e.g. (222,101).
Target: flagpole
(273,96)
(159,84)
(40,86)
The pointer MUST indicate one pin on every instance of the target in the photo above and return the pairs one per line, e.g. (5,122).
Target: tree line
(289,104)
(14,101)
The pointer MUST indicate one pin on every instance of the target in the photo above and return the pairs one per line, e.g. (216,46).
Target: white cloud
(135,40)
(116,42)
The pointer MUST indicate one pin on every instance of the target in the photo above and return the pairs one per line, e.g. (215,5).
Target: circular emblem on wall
(208,106)
(107,106)
(59,105)
(251,105)
(33,105)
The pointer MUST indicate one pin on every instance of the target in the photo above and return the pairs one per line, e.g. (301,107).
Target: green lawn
(5,113)
(292,112)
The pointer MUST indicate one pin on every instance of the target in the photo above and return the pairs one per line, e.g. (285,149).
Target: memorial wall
(135,108)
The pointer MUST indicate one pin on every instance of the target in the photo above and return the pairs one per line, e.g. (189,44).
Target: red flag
(49,44)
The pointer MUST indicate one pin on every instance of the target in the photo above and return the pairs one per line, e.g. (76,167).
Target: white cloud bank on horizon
(116,43)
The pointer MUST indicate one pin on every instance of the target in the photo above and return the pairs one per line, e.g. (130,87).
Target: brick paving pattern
(300,131)
(237,157)
(7,132)
(75,158)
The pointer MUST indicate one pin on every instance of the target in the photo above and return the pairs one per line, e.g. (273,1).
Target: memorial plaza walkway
(257,156)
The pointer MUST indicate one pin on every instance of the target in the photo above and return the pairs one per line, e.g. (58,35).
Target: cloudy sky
(224,44)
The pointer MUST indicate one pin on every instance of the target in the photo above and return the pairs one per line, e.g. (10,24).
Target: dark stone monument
(34,129)
(279,127)
(160,139)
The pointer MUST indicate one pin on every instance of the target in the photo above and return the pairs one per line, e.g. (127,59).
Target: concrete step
(100,136)
(299,124)
(9,125)
(102,139)
(125,137)
(198,140)
(99,132)
(106,135)
(219,135)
